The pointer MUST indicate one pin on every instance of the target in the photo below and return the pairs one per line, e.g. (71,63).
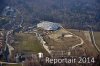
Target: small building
(40,55)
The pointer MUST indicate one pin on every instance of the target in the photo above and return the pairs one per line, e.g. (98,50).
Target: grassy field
(87,44)
(97,38)
(11,65)
(28,43)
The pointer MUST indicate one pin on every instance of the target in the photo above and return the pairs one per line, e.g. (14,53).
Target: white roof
(46,25)
(68,35)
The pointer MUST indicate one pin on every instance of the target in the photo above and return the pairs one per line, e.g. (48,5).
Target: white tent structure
(46,25)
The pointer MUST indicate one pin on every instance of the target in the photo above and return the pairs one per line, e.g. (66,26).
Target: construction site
(63,42)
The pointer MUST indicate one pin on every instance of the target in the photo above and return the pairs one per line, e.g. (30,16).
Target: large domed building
(46,25)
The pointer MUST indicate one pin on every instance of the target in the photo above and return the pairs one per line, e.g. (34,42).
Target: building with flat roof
(46,25)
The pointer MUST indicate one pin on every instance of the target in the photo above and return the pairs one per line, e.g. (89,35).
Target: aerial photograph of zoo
(49,32)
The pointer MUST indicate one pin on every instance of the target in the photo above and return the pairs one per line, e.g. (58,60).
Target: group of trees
(72,13)
(2,5)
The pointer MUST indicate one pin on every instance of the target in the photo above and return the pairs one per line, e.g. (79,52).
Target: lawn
(12,65)
(97,38)
(28,43)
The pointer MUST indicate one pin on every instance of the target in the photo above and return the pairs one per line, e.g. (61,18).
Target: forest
(73,14)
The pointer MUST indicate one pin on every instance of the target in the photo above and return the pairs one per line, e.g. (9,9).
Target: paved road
(93,40)
(9,46)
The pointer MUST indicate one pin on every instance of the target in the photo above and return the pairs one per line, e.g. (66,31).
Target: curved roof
(46,25)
